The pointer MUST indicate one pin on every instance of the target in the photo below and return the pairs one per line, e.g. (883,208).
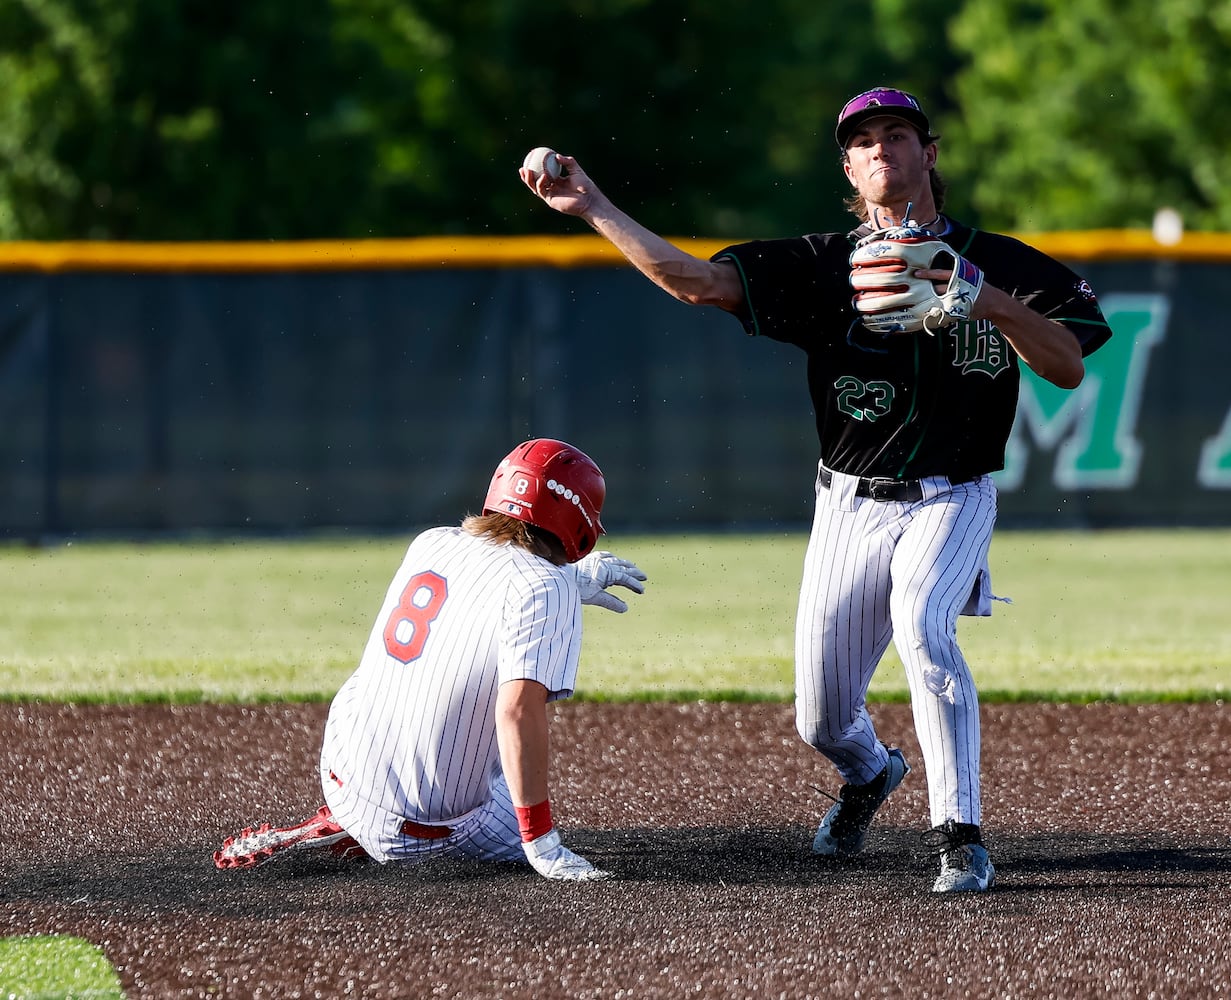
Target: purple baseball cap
(876,103)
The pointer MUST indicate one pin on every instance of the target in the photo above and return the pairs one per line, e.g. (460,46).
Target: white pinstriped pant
(488,833)
(876,571)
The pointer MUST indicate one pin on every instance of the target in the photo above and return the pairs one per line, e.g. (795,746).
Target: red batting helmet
(553,486)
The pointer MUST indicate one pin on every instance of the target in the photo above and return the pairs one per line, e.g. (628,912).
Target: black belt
(889,490)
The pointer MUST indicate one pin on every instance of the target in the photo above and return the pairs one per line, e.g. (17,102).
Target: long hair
(500,529)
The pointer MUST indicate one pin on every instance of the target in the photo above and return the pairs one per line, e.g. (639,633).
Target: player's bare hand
(983,304)
(572,193)
(937,277)
(553,860)
(600,570)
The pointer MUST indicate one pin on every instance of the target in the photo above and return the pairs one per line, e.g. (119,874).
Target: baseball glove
(891,299)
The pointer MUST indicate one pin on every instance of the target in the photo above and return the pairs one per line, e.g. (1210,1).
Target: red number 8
(419,617)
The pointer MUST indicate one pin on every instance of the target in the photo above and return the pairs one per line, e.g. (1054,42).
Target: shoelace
(950,836)
(858,802)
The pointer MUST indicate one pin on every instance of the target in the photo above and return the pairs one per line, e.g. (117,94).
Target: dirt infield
(1110,827)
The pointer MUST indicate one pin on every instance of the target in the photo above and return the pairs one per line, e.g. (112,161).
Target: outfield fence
(168,388)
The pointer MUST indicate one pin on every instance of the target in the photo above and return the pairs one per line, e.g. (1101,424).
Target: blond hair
(500,529)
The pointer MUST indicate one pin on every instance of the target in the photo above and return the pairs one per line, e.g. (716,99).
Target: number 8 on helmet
(553,486)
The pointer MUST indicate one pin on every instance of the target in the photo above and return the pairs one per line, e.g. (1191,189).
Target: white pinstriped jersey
(412,730)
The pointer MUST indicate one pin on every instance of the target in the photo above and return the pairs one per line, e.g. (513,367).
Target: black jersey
(906,406)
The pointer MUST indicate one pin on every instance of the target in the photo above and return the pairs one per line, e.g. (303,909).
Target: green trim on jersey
(966,245)
(743,280)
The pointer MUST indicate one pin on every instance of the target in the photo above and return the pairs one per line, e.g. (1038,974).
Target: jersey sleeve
(541,635)
(1051,289)
(792,287)
(1082,314)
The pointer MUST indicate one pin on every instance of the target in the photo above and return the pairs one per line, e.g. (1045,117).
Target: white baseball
(542,160)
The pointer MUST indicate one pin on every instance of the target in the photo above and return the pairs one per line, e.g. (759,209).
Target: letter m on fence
(1094,425)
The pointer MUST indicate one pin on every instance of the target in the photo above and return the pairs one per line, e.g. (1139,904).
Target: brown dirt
(1108,826)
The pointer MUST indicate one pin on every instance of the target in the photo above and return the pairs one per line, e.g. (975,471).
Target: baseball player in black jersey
(915,327)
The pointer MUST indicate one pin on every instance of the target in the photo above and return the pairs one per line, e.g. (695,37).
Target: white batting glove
(553,860)
(600,570)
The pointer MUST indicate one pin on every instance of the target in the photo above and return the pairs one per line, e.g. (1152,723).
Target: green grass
(1131,615)
(229,620)
(55,968)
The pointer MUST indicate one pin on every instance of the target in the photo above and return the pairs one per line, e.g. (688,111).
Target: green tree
(1090,113)
(197,119)
(701,117)
(273,119)
(42,44)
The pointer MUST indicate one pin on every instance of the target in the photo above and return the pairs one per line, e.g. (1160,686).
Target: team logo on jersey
(1085,291)
(980,347)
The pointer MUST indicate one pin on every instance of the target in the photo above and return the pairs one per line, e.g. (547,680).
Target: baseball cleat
(254,846)
(965,869)
(964,865)
(845,827)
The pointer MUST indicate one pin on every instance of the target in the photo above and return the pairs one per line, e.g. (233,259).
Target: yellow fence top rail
(501,251)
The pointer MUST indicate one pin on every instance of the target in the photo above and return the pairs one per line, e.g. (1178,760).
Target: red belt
(410,828)
(424,832)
